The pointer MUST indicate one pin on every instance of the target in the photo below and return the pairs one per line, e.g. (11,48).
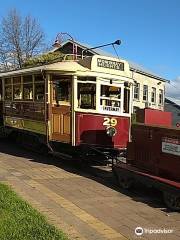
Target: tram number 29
(110,122)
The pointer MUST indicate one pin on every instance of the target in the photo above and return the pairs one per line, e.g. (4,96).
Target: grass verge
(19,221)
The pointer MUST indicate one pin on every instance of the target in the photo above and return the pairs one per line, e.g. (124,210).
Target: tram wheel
(172,201)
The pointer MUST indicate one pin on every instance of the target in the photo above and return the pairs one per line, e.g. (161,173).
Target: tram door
(61,108)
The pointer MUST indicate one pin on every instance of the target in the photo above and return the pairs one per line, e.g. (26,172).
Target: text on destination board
(110,64)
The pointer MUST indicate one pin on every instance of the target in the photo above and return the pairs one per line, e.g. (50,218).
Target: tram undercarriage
(85,153)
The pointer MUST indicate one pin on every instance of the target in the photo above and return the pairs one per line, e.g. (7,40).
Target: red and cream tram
(71,106)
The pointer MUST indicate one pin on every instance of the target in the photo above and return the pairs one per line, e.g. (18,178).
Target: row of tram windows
(27,88)
(110,96)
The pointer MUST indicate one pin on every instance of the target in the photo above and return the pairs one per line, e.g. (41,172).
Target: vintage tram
(74,107)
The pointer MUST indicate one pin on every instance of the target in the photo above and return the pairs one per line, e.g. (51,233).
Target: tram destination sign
(110,64)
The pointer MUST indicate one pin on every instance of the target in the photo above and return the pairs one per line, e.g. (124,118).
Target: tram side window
(39,91)
(27,87)
(8,89)
(17,93)
(8,93)
(87,95)
(39,88)
(17,88)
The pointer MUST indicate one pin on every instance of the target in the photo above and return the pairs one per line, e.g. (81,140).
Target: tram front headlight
(111,131)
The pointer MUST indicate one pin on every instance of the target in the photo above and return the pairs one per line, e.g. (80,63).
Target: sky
(149,29)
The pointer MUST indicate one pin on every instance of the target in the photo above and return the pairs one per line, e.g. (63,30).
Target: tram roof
(57,66)
(133,66)
(88,65)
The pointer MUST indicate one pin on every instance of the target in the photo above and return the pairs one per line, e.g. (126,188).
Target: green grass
(19,221)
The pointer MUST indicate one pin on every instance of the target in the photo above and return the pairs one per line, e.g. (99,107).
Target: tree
(20,39)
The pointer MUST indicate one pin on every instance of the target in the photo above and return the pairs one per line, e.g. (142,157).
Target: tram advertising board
(171,146)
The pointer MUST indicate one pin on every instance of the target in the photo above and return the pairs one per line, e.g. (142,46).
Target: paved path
(83,206)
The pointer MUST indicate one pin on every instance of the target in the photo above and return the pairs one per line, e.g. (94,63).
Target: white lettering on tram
(171,146)
(110,64)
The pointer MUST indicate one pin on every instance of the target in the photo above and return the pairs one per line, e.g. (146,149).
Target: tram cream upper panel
(64,66)
(97,64)
(106,64)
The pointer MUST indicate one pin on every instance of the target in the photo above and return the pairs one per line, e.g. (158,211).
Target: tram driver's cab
(87,102)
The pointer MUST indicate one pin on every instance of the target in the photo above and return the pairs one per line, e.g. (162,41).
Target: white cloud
(173,89)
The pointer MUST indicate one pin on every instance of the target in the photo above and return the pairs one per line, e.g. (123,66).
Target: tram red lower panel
(91,129)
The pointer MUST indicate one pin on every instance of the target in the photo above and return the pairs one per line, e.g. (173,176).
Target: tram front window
(110,99)
(87,95)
